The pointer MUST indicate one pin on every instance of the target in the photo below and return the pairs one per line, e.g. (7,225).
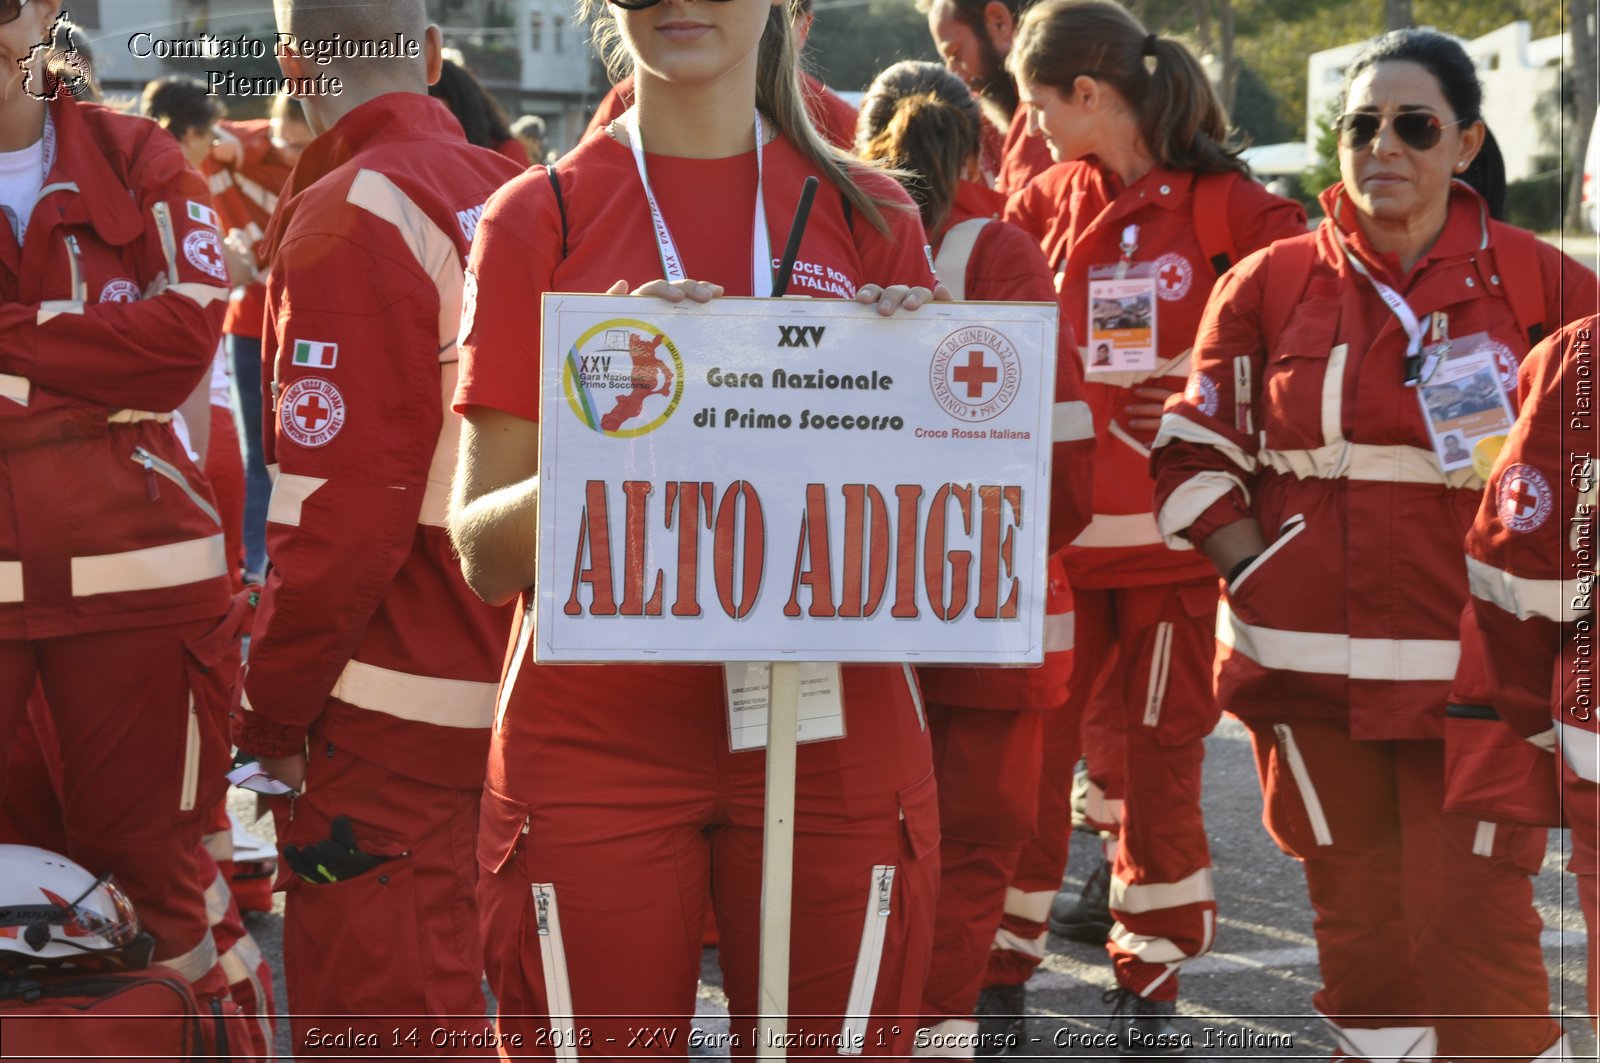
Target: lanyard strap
(671,260)
(1393,300)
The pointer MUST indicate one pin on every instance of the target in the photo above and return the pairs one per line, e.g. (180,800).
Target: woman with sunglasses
(987,723)
(1149,203)
(1309,461)
(112,570)
(613,787)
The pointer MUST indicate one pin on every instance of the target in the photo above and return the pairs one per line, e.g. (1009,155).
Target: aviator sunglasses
(1418,129)
(11,10)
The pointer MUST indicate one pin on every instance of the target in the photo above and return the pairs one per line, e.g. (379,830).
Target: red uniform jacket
(109,315)
(1078,211)
(246,194)
(366,621)
(1004,264)
(1354,609)
(1531,555)
(834,118)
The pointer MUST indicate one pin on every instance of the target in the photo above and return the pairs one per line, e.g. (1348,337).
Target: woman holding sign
(1150,205)
(1329,374)
(615,805)
(920,120)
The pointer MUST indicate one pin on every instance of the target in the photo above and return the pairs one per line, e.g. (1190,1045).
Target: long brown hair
(1180,118)
(777,96)
(919,119)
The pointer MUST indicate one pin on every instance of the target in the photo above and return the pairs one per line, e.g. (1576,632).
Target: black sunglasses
(640,5)
(1419,129)
(11,10)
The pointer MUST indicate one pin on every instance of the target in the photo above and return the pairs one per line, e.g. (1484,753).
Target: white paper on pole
(785,479)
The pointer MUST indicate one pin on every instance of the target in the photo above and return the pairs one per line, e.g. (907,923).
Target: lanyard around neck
(1392,299)
(671,260)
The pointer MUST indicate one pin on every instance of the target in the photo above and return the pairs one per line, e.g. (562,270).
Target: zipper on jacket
(80,290)
(557,986)
(1302,782)
(191,761)
(858,1009)
(154,466)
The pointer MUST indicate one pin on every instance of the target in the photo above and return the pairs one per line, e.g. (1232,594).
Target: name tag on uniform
(1122,319)
(1462,398)
(747,686)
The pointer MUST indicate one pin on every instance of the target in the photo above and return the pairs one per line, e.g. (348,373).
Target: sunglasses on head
(636,5)
(1418,129)
(11,10)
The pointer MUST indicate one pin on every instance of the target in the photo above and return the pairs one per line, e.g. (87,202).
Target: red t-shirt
(708,203)
(1022,157)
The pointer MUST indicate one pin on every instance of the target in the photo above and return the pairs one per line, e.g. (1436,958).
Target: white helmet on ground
(53,911)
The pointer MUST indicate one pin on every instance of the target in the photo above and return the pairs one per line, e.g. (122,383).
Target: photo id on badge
(1122,320)
(747,686)
(1462,399)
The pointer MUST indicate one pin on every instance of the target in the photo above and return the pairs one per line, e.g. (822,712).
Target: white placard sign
(787,479)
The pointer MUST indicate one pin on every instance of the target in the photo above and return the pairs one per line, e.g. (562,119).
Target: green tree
(852,41)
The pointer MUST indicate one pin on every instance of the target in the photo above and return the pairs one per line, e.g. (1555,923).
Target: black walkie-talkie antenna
(780,283)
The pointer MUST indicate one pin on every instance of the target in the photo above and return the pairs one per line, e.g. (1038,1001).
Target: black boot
(1144,1027)
(1001,1028)
(1086,917)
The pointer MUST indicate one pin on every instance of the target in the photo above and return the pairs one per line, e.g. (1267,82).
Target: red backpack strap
(1521,270)
(1288,269)
(1211,219)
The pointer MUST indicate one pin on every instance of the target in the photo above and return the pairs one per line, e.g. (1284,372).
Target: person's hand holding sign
(671,291)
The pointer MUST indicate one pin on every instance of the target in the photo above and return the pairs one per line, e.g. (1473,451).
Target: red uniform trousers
(1581,802)
(1104,723)
(140,771)
(620,823)
(988,764)
(225,470)
(1018,943)
(419,904)
(1424,920)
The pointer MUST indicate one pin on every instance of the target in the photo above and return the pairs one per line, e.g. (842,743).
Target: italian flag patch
(316,354)
(199,212)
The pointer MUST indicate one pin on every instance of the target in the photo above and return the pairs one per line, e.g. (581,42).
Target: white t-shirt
(21,178)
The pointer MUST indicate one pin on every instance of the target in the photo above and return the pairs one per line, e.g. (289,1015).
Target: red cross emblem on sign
(312,412)
(975,374)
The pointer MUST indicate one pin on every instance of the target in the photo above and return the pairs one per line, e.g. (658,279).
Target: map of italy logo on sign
(623,378)
(975,374)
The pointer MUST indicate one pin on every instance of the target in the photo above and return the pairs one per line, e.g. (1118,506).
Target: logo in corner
(1523,499)
(623,378)
(311,411)
(49,72)
(975,374)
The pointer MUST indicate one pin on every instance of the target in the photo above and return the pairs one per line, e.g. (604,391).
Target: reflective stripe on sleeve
(202,294)
(459,703)
(434,251)
(1522,598)
(15,388)
(53,308)
(151,568)
(1176,427)
(1395,660)
(10,581)
(1192,498)
(289,494)
(1060,632)
(1070,421)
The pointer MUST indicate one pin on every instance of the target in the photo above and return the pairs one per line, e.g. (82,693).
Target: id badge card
(1122,320)
(1462,399)
(747,686)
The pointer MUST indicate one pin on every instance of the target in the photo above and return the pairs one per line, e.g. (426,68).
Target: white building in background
(1516,71)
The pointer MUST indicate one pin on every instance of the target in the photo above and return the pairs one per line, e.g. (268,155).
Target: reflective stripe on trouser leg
(197,962)
(553,954)
(1386,1044)
(864,983)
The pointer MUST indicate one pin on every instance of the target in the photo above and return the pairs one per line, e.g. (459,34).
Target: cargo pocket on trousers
(1293,815)
(502,824)
(333,926)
